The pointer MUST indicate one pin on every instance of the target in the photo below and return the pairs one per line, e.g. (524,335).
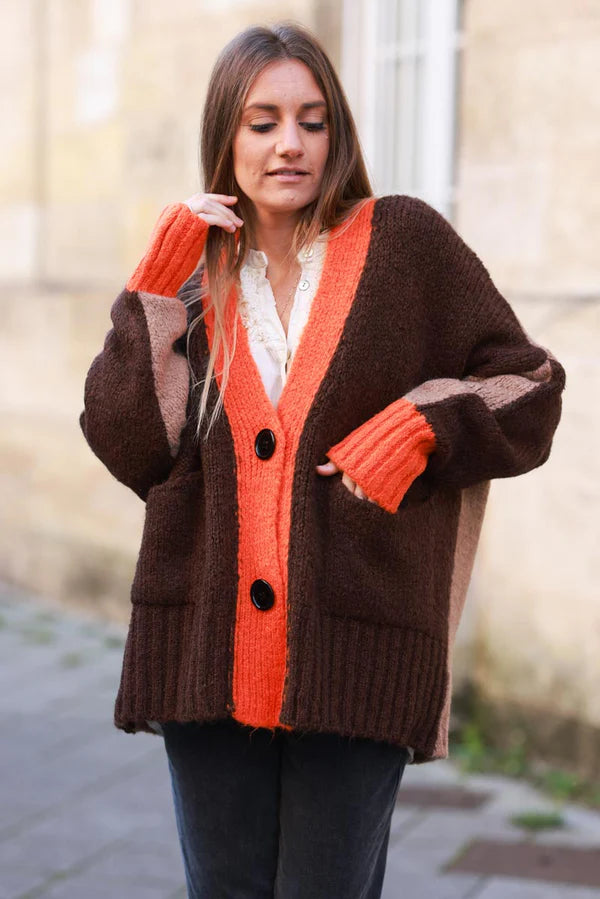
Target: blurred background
(487,109)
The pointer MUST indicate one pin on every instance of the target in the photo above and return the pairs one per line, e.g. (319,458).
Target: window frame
(429,151)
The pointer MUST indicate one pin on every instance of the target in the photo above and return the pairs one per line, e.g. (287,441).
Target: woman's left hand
(330,467)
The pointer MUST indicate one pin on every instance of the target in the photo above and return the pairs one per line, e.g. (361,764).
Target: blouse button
(304,284)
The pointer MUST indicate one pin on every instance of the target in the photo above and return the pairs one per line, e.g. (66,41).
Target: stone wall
(529,202)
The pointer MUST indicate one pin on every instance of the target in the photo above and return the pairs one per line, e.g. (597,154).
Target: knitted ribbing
(174,250)
(387,452)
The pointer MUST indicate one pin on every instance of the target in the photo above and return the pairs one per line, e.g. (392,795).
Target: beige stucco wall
(530,133)
(529,202)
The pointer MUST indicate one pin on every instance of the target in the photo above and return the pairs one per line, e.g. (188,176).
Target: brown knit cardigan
(264,590)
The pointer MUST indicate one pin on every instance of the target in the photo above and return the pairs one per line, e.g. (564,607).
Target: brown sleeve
(137,387)
(496,421)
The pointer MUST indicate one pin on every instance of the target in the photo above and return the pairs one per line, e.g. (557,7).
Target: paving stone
(429,773)
(55,687)
(582,820)
(84,886)
(136,814)
(509,795)
(525,859)
(442,796)
(442,832)
(399,884)
(569,835)
(55,784)
(65,774)
(509,888)
(160,862)
(402,820)
(181,893)
(40,854)
(18,880)
(54,737)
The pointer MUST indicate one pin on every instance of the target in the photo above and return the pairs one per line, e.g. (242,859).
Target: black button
(262,594)
(264,445)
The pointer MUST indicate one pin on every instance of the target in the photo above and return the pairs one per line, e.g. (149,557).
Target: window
(400,64)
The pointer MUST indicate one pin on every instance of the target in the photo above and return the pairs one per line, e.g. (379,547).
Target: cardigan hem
(347,689)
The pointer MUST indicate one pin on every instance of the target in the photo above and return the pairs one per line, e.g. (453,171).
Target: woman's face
(281,145)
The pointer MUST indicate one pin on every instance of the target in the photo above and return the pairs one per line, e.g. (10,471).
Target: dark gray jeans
(284,815)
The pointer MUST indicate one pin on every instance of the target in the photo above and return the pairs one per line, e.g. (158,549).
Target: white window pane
(403,60)
(410,19)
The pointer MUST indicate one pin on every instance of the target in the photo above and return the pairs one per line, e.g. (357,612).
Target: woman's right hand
(213,209)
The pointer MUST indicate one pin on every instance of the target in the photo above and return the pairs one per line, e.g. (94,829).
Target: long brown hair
(345,180)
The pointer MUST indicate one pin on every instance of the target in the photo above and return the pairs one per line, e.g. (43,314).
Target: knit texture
(415,376)
(260,640)
(386,453)
(174,249)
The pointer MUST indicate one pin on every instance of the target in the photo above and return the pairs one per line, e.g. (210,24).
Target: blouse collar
(307,255)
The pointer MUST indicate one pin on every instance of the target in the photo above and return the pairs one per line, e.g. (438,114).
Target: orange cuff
(173,252)
(387,452)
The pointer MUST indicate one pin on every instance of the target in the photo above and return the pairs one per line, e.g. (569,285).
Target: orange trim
(387,452)
(173,252)
(265,486)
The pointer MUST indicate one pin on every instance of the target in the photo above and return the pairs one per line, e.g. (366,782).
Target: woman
(312,514)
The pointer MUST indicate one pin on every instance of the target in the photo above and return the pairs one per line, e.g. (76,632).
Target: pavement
(86,809)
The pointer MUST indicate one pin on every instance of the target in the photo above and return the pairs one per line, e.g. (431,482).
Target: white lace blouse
(272,351)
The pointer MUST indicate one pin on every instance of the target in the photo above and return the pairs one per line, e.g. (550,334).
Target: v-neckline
(342,266)
(258,260)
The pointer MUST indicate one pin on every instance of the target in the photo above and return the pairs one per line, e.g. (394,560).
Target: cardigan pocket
(373,508)
(169,568)
(371,568)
